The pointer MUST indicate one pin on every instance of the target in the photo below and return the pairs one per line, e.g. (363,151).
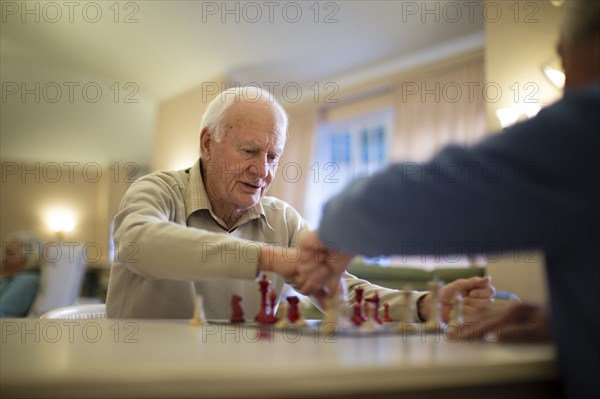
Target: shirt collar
(197,199)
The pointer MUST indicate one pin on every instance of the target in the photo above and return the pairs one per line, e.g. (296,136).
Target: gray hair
(30,245)
(580,19)
(217,108)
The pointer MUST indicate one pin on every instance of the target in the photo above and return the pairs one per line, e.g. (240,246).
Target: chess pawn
(386,313)
(456,311)
(237,313)
(300,322)
(433,323)
(198,318)
(284,319)
(293,311)
(406,307)
(332,315)
(368,324)
(357,318)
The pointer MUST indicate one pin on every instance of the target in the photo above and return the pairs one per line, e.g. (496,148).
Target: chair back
(61,279)
(88,311)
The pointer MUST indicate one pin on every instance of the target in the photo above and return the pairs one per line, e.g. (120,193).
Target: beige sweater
(171,246)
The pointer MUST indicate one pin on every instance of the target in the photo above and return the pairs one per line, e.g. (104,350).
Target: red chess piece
(264,333)
(357,318)
(375,301)
(386,312)
(359,294)
(359,297)
(237,314)
(271,318)
(262,315)
(293,312)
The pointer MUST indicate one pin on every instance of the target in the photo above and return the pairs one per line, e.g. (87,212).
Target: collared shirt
(171,246)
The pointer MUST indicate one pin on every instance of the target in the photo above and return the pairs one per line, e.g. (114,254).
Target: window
(345,150)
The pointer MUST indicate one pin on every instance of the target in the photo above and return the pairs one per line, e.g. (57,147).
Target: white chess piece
(456,312)
(369,324)
(406,314)
(434,322)
(333,310)
(406,321)
(283,319)
(199,318)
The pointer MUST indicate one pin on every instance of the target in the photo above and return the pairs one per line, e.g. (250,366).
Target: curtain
(441,107)
(447,107)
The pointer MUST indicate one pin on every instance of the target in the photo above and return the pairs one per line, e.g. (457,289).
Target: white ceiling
(176,45)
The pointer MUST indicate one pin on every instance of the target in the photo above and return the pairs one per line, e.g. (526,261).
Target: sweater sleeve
(511,191)
(154,241)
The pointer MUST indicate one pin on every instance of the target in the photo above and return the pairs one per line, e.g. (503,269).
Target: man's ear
(205,143)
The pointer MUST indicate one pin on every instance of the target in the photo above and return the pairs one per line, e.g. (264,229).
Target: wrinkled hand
(311,268)
(322,295)
(477,293)
(281,260)
(320,266)
(517,322)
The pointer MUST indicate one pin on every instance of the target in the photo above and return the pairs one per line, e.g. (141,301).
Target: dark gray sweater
(535,185)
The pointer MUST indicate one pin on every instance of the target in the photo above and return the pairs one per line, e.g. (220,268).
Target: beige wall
(517,45)
(177,139)
(521,273)
(91,191)
(293,175)
(516,48)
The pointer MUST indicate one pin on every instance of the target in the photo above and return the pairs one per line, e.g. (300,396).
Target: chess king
(204,230)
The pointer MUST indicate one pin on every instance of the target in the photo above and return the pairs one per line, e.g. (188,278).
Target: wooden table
(150,359)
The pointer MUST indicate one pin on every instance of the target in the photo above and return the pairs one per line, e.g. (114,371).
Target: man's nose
(260,169)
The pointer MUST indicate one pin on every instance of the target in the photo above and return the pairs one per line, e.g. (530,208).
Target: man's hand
(322,295)
(311,269)
(320,265)
(477,292)
(517,322)
(281,260)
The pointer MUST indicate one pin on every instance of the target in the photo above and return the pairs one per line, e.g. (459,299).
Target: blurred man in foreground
(546,197)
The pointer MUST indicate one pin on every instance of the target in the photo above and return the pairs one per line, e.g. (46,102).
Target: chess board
(344,328)
(363,320)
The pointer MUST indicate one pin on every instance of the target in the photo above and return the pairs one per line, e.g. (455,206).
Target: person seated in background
(547,197)
(204,230)
(20,276)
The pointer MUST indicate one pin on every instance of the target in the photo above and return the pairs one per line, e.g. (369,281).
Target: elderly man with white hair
(547,197)
(205,230)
